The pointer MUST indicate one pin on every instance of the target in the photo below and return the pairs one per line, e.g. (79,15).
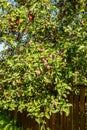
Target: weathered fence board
(82,108)
(85,113)
(70,117)
(75,113)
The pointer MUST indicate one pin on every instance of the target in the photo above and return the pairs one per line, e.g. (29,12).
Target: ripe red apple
(17,21)
(38,72)
(11,24)
(54,27)
(44,60)
(30,17)
(49,73)
(29,43)
(41,49)
(50,56)
(48,67)
(0,87)
(16,31)
(46,25)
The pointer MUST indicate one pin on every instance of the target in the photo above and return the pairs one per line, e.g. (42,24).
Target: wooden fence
(77,119)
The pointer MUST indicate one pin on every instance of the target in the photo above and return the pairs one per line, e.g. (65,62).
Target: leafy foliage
(44,56)
(6,123)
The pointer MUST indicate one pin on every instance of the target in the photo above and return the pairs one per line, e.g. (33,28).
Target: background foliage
(6,123)
(45,54)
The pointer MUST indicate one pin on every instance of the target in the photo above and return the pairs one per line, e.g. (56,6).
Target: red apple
(30,17)
(11,24)
(17,21)
(41,49)
(16,31)
(54,27)
(44,60)
(50,56)
(0,87)
(49,73)
(29,43)
(48,67)
(46,25)
(38,72)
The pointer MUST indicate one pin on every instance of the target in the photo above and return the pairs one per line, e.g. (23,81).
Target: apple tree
(44,55)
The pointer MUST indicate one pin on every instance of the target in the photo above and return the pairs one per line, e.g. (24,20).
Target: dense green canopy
(45,54)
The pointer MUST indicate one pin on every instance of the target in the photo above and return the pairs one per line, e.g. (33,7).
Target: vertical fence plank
(19,119)
(70,117)
(76,112)
(53,122)
(35,126)
(24,122)
(64,122)
(50,123)
(47,123)
(29,123)
(82,108)
(57,122)
(61,122)
(86,112)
